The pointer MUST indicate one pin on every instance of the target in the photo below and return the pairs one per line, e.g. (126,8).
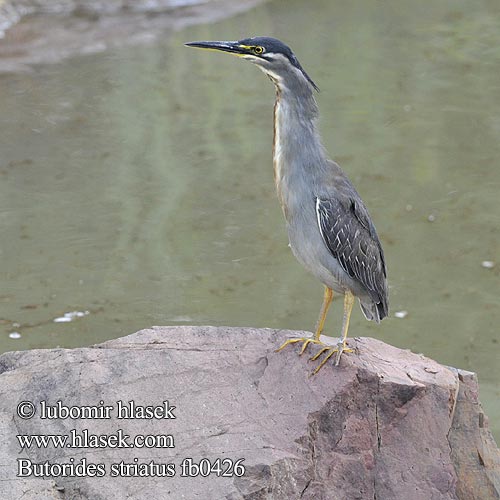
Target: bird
(330,230)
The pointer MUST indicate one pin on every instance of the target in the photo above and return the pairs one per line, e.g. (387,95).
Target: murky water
(137,185)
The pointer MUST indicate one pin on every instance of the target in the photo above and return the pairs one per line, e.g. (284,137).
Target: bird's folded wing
(350,236)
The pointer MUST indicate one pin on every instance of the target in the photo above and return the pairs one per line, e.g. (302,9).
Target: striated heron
(329,228)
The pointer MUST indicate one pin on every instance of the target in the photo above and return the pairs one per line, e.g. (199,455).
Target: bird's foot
(326,349)
(306,340)
(340,348)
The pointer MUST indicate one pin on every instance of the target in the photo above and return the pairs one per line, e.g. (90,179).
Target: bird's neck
(297,149)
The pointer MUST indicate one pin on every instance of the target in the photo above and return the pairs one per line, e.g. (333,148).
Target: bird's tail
(374,311)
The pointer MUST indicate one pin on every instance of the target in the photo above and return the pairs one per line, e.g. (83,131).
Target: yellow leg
(341,346)
(327,300)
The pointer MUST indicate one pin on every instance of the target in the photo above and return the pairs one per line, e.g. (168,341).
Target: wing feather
(349,234)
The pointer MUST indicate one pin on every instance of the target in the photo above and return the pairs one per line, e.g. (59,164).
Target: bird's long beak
(231,47)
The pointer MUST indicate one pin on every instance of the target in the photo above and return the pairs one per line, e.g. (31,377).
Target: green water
(137,184)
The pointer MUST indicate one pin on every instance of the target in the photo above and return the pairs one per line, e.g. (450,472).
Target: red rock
(385,424)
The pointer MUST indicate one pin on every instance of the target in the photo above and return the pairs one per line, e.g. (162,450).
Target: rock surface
(385,424)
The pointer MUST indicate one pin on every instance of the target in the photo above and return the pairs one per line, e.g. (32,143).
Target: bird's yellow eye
(258,50)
